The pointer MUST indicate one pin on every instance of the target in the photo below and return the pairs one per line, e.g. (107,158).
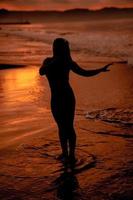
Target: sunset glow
(66,99)
(62,5)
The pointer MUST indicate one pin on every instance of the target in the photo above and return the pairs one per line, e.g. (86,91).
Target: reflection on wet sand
(67,186)
(28,137)
(22,108)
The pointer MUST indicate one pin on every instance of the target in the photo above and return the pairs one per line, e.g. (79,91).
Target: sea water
(25,96)
(104,38)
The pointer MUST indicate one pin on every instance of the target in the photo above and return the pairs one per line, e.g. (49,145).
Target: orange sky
(62,4)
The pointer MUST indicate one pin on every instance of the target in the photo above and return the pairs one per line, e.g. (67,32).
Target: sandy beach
(29,149)
(29,144)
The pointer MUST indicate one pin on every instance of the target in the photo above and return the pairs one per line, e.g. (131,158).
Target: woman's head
(61,48)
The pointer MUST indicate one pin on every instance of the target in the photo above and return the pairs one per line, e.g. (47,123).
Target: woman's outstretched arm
(78,70)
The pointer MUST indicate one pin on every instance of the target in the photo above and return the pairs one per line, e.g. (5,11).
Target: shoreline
(29,165)
(33,171)
(29,142)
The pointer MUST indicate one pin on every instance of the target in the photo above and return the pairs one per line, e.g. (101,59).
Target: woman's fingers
(106,66)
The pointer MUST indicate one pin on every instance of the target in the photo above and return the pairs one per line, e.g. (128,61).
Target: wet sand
(29,145)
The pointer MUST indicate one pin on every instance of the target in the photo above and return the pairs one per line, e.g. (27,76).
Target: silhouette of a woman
(57,70)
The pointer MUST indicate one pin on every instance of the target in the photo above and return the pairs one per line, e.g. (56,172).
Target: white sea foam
(85,39)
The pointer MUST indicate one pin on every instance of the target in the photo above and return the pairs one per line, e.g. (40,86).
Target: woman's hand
(105,68)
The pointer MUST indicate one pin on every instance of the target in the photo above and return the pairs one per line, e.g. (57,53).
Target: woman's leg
(67,137)
(58,116)
(64,117)
(63,142)
(72,143)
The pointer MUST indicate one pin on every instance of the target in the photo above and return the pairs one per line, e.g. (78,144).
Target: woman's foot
(72,160)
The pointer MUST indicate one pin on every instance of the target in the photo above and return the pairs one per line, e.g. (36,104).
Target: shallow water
(104,109)
(24,103)
(25,99)
(25,96)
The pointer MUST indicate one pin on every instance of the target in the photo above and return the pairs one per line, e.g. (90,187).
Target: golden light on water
(19,79)
(18,86)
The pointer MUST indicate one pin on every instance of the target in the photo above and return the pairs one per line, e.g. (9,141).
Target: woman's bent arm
(78,70)
(43,68)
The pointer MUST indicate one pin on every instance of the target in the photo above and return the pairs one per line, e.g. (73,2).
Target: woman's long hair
(61,49)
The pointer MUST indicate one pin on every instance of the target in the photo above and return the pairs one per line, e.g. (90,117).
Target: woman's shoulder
(47,60)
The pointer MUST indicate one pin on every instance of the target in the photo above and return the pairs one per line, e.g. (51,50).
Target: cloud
(62,4)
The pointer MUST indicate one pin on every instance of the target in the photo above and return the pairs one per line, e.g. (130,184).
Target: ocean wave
(83,42)
(117,116)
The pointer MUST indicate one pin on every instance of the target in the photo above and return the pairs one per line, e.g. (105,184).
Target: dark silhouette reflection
(57,70)
(67,186)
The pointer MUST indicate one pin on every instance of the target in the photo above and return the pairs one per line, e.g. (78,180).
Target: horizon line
(81,8)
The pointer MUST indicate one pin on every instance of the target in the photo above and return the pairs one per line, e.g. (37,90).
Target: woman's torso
(58,77)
